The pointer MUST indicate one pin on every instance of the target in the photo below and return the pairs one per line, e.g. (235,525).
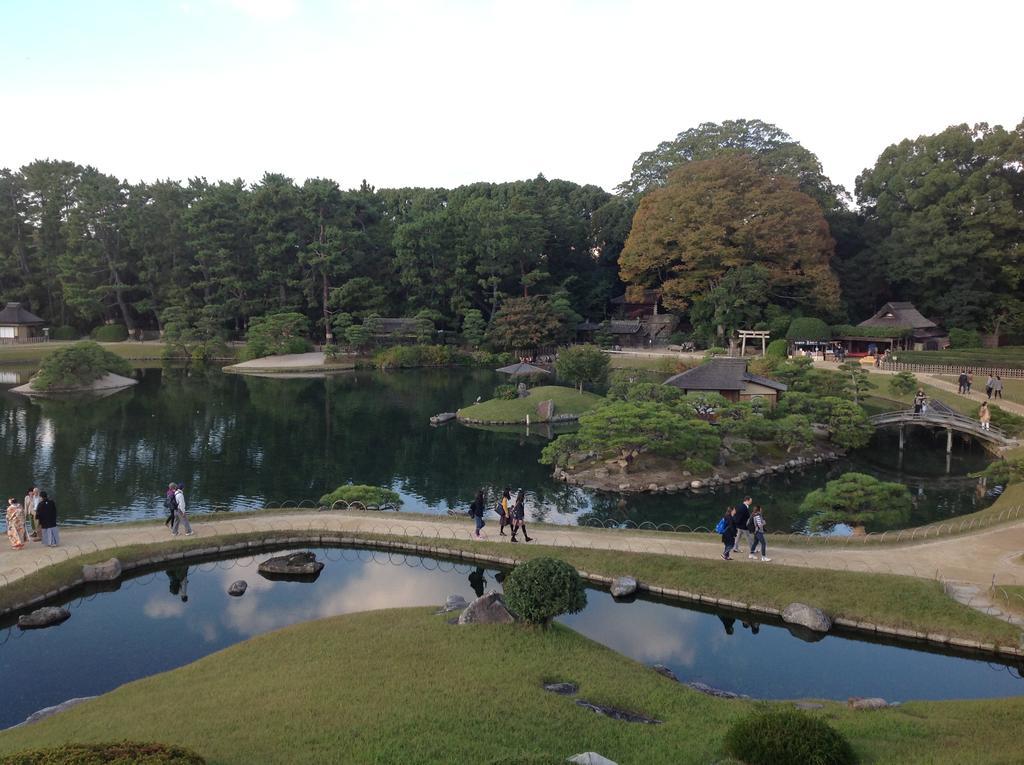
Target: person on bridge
(919,402)
(984,415)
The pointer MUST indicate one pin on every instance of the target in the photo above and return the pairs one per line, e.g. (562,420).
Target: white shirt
(179,497)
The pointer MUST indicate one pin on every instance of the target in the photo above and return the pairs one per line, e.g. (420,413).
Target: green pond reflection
(241,442)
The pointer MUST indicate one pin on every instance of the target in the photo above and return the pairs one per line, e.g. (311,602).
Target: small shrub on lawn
(777,349)
(505,392)
(65,333)
(368,495)
(543,588)
(697,467)
(787,737)
(120,753)
(110,333)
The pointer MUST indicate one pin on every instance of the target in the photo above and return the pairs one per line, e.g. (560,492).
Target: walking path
(977,559)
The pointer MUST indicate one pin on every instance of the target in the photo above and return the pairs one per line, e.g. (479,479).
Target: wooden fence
(979,370)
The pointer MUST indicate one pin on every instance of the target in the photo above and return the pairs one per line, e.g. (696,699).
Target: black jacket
(729,535)
(477,509)
(742,516)
(46,514)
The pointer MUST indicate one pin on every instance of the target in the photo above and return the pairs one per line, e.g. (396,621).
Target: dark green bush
(276,334)
(787,737)
(808,328)
(411,356)
(78,365)
(110,333)
(120,753)
(964,338)
(65,333)
(697,467)
(541,589)
(368,495)
(505,392)
(777,349)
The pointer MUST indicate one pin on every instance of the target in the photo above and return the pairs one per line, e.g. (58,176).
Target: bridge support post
(903,429)
(949,440)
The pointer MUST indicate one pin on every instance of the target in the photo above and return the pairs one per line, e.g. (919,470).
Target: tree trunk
(328,331)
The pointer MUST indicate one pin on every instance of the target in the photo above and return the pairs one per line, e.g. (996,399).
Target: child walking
(759,527)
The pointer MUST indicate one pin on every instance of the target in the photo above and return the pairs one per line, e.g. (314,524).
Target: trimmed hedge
(777,349)
(368,495)
(110,333)
(65,333)
(543,588)
(78,366)
(787,737)
(119,753)
(808,328)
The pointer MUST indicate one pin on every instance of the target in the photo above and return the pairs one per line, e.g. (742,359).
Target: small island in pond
(545,403)
(84,367)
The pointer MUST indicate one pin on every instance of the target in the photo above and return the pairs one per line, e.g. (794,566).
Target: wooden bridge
(941,416)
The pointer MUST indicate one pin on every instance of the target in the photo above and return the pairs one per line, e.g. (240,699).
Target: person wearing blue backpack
(727,528)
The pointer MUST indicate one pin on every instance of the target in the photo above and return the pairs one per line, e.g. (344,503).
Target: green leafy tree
(859,380)
(197,335)
(77,366)
(473,327)
(903,383)
(358,336)
(808,328)
(964,338)
(857,499)
(848,423)
(425,327)
(583,365)
(738,301)
(626,429)
(276,334)
(792,431)
(525,323)
(603,335)
(724,213)
(944,216)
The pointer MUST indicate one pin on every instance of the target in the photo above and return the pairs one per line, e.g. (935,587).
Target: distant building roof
(625,327)
(899,316)
(15,314)
(721,374)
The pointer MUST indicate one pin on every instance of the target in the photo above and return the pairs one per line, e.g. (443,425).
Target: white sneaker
(751,556)
(765,560)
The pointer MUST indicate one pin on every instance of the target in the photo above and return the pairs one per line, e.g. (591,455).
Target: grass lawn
(1007,356)
(405,686)
(21,354)
(567,401)
(670,365)
(897,601)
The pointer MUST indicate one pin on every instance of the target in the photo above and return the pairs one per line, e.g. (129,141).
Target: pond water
(241,442)
(166,619)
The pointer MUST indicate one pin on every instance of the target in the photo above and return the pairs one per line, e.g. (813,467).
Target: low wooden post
(949,440)
(903,429)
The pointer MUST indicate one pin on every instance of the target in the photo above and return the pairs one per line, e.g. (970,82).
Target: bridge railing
(955,420)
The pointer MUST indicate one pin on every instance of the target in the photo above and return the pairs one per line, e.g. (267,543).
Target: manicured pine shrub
(65,333)
(787,737)
(543,588)
(110,333)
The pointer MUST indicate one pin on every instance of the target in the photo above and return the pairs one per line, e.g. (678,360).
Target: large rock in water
(490,608)
(107,571)
(43,617)
(238,588)
(545,410)
(300,566)
(810,617)
(623,586)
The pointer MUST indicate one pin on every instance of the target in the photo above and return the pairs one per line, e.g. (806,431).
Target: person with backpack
(170,505)
(741,520)
(727,528)
(519,517)
(504,509)
(180,516)
(758,525)
(476,512)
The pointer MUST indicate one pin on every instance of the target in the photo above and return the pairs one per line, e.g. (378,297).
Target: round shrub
(541,589)
(120,753)
(787,737)
(78,366)
(964,338)
(505,392)
(110,333)
(808,328)
(777,349)
(367,495)
(64,333)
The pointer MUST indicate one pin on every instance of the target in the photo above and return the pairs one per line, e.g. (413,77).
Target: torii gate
(753,334)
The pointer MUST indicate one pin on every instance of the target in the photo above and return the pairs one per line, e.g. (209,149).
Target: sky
(443,93)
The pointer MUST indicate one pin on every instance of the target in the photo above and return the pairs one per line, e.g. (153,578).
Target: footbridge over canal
(942,417)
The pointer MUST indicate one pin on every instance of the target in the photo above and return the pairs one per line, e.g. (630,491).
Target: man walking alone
(180,516)
(46,514)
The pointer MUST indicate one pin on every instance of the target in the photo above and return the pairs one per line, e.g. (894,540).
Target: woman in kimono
(15,524)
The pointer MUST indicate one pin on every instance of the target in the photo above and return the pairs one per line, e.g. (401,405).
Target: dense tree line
(80,247)
(736,223)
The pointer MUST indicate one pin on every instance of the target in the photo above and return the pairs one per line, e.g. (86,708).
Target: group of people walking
(993,384)
(511,514)
(745,520)
(33,520)
(174,504)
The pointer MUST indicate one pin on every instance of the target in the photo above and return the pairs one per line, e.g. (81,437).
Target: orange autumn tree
(724,213)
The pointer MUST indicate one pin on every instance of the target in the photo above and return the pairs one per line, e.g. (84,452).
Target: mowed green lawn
(403,686)
(567,401)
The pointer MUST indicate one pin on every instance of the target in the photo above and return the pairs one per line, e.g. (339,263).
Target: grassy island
(568,401)
(405,686)
(78,367)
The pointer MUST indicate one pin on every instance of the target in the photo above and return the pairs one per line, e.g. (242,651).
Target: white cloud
(266,10)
